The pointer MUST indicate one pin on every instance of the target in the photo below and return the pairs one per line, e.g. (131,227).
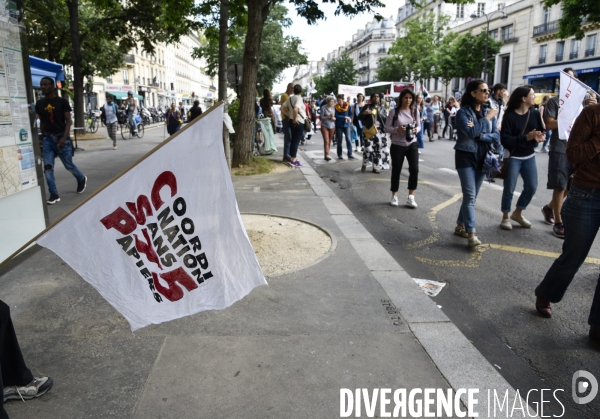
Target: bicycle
(127,129)
(93,123)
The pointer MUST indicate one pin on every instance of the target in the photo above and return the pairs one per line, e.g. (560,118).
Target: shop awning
(581,67)
(123,95)
(44,68)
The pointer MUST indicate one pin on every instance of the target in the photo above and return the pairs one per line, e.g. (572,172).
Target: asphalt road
(488,293)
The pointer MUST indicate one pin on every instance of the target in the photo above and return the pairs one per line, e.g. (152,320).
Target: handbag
(504,168)
(372,131)
(307,125)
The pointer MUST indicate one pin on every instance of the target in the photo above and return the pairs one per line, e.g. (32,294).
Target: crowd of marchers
(497,135)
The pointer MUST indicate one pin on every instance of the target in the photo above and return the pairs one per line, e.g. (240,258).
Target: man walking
(559,169)
(582,217)
(195,111)
(286,115)
(131,107)
(497,102)
(55,121)
(109,116)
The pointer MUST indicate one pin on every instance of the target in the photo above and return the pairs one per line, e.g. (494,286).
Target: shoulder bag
(372,131)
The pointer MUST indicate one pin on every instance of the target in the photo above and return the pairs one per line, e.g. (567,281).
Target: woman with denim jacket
(476,130)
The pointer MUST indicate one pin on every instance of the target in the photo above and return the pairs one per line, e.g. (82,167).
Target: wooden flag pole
(106,185)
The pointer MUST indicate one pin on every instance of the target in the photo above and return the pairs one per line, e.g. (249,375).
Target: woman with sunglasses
(476,127)
(522,130)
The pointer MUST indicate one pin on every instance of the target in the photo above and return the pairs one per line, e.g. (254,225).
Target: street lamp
(488,17)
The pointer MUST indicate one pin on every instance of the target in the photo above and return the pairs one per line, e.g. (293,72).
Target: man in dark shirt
(55,120)
(195,111)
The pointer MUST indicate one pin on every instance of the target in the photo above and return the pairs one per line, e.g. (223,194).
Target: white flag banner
(572,95)
(352,91)
(165,239)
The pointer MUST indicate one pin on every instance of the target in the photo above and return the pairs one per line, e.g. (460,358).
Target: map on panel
(10,181)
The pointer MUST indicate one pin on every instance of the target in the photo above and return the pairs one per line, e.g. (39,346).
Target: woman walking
(375,143)
(357,106)
(450,112)
(173,119)
(522,129)
(477,129)
(428,120)
(327,124)
(436,106)
(266,103)
(343,119)
(403,124)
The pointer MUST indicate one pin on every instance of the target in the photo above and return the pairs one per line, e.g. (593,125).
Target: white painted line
(451,171)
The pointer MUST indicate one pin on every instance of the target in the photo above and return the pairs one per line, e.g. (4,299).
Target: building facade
(550,54)
(170,75)
(305,74)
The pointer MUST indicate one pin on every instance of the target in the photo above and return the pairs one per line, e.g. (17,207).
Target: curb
(459,362)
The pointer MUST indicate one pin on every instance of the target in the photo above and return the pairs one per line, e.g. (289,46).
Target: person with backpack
(403,123)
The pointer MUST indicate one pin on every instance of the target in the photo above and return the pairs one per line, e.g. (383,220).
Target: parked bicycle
(127,130)
(92,122)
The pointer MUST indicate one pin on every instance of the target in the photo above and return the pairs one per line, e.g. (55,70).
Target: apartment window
(574,48)
(109,79)
(507,32)
(590,45)
(382,49)
(125,77)
(543,51)
(501,6)
(560,50)
(480,9)
(460,11)
(546,14)
(436,86)
(494,34)
(504,69)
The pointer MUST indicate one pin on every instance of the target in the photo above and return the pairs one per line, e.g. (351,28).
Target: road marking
(475,259)
(435,234)
(420,182)
(451,171)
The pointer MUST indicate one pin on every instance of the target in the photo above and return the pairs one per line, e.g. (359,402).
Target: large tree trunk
(258,11)
(223,28)
(73,6)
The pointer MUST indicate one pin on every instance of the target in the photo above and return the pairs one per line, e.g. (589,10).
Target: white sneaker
(394,202)
(474,241)
(506,224)
(537,149)
(546,149)
(410,202)
(419,151)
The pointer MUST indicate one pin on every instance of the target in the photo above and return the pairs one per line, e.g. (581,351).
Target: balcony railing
(381,51)
(363,54)
(125,81)
(510,39)
(129,58)
(558,57)
(364,68)
(589,52)
(573,55)
(542,60)
(545,28)
(363,83)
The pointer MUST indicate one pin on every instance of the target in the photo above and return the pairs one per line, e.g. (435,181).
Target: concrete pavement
(354,320)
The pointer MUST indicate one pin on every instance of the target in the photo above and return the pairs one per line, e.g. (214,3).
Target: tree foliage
(93,35)
(411,55)
(469,50)
(277,52)
(258,12)
(338,71)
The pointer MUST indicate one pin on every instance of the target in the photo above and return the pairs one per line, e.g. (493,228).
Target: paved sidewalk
(283,351)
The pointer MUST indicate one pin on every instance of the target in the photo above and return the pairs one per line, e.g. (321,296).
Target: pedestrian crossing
(318,156)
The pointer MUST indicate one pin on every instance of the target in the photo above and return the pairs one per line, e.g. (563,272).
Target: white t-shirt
(295,102)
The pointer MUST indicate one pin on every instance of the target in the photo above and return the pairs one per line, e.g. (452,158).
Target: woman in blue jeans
(522,129)
(476,127)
